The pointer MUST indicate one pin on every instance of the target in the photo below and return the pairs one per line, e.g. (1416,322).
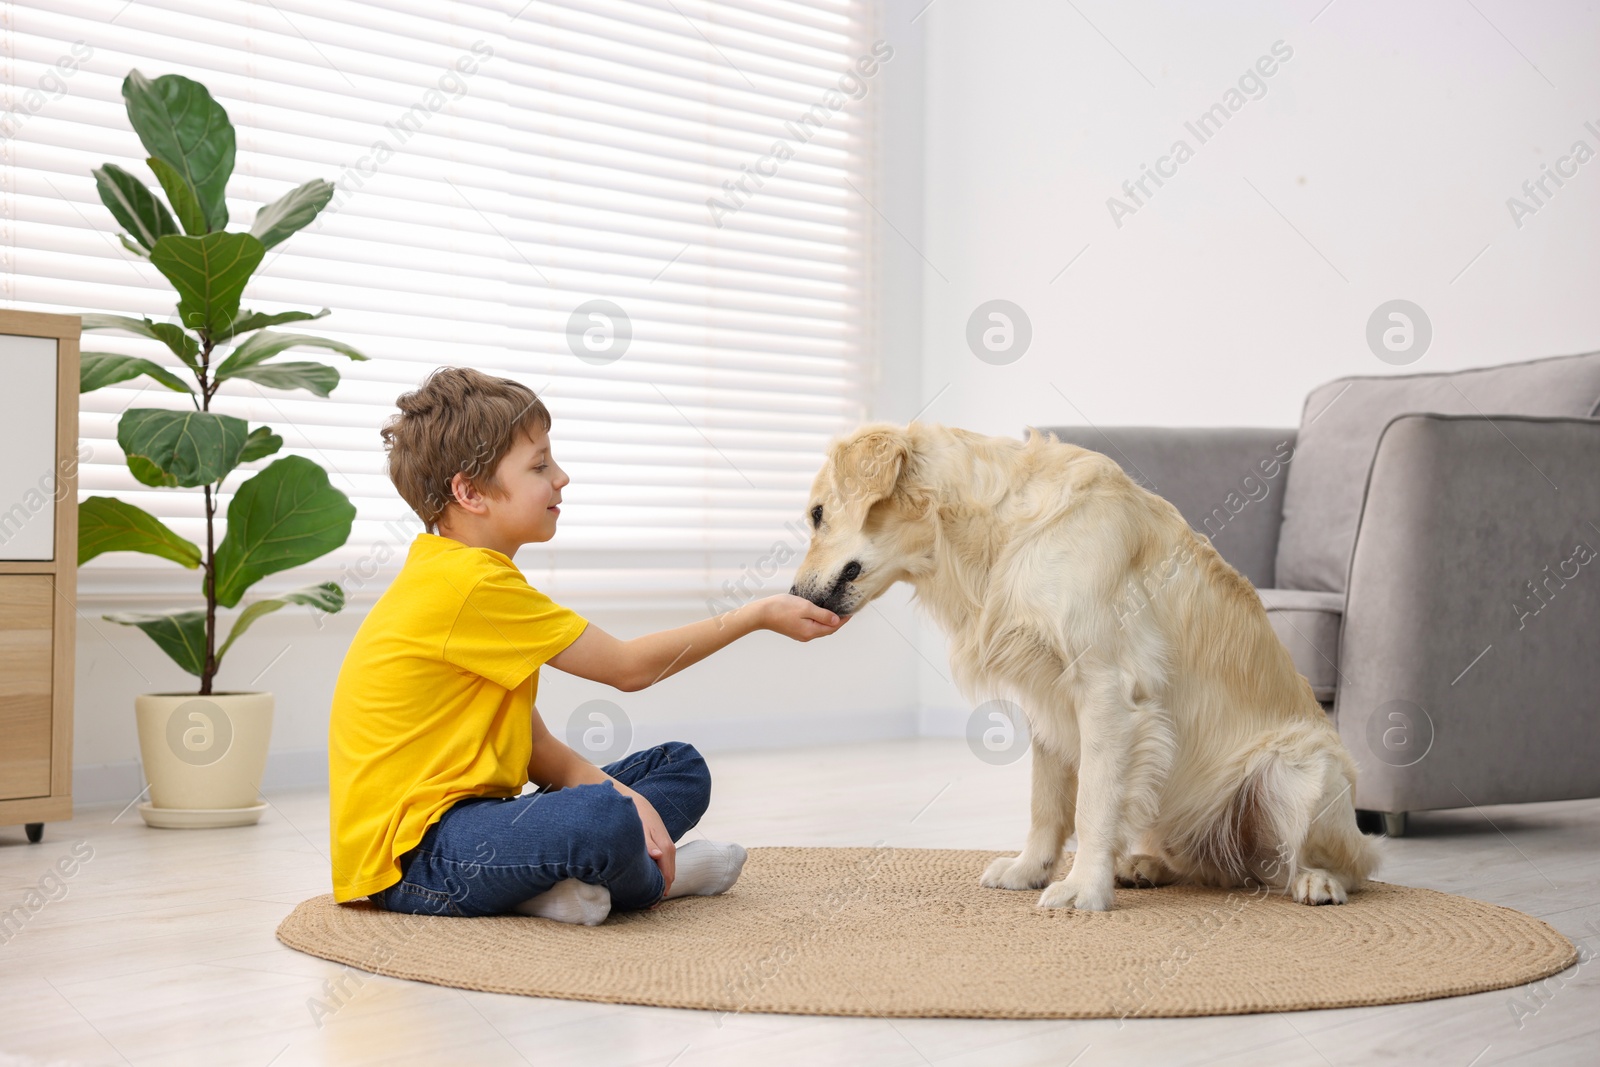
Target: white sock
(705,868)
(570,901)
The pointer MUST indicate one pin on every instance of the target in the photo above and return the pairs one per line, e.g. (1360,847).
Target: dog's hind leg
(1338,857)
(1303,788)
(1055,792)
(1143,871)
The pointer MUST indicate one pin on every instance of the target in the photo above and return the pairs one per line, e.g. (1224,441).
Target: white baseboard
(308,768)
(791,731)
(943,722)
(101,783)
(124,781)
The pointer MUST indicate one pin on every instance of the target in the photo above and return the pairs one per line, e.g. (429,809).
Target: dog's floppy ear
(868,466)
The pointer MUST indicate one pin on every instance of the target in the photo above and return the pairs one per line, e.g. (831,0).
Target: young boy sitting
(433,731)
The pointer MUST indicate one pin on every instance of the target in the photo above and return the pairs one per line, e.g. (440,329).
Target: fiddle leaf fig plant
(281,516)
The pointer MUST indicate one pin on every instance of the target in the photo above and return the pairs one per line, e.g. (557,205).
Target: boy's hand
(657,841)
(797,617)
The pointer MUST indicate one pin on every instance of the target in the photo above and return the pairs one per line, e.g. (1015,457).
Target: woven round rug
(909,932)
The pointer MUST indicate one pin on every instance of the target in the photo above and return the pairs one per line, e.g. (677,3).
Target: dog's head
(870,520)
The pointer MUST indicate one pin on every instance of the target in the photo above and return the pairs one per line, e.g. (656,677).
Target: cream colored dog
(1169,726)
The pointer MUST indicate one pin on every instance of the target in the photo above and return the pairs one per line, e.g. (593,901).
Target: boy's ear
(465,495)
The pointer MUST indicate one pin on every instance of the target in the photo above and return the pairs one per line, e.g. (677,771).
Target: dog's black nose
(851,572)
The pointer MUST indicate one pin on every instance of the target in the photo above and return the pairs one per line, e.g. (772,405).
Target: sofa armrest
(1226,482)
(1468,671)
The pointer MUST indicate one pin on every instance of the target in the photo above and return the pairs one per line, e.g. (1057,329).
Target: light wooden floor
(161,951)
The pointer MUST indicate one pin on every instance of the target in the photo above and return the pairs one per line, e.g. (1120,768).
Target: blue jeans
(484,855)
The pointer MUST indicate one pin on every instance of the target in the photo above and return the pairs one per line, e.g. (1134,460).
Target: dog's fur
(1169,727)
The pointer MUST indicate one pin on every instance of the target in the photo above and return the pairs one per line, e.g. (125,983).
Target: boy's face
(531,484)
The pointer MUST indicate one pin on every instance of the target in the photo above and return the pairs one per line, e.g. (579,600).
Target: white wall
(1390,141)
(1376,166)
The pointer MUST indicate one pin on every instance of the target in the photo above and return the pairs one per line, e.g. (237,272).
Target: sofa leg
(1394,823)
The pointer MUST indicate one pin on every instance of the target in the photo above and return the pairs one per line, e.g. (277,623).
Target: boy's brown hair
(458,420)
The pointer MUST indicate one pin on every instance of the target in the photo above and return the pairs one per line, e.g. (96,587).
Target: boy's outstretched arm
(644,661)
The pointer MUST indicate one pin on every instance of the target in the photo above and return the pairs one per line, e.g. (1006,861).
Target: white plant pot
(203,757)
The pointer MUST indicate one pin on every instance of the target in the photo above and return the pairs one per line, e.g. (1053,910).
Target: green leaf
(209,273)
(180,194)
(285,516)
(106,524)
(170,334)
(292,211)
(255,320)
(150,474)
(179,124)
(181,635)
(132,204)
(182,345)
(319,378)
(264,346)
(130,246)
(100,369)
(194,447)
(142,327)
(261,443)
(326,597)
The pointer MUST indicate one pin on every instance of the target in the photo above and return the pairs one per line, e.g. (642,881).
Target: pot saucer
(199,818)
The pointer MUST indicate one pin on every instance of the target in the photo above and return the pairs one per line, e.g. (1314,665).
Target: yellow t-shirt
(434,703)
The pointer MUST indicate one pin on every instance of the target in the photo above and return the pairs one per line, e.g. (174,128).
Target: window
(655,214)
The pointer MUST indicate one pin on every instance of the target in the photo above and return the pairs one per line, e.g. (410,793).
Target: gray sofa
(1426,547)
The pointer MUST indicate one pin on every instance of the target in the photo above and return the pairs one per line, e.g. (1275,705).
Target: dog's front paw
(1010,872)
(1315,886)
(1073,892)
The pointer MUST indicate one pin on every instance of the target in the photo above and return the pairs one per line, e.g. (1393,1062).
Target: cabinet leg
(1394,823)
(35,831)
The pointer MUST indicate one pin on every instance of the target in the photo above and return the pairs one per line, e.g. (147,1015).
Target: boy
(433,730)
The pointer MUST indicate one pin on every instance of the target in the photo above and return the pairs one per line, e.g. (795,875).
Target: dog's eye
(816,515)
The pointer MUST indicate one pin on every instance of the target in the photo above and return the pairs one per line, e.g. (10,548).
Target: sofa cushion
(1308,625)
(1339,430)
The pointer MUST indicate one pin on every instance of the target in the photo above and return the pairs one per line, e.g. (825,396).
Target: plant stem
(210,670)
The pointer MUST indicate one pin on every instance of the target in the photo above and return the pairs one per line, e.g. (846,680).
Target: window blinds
(654,214)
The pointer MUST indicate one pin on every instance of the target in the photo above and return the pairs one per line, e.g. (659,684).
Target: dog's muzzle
(834,595)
